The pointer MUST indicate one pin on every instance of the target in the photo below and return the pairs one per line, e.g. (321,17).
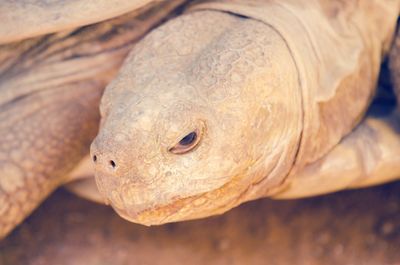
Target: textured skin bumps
(229,84)
(268,98)
(44,136)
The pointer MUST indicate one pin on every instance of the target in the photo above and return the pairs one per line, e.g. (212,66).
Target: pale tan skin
(50,87)
(233,80)
(271,102)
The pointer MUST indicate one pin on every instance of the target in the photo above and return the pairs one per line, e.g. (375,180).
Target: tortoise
(229,102)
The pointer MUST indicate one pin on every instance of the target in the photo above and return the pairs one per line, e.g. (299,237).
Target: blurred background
(359,227)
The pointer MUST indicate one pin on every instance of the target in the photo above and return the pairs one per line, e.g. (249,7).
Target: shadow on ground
(352,227)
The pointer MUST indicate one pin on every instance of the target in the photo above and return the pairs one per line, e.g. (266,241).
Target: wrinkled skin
(236,86)
(198,86)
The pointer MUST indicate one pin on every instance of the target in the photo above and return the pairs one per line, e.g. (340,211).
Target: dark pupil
(188,139)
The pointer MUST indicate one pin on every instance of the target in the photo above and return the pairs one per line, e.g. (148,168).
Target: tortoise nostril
(94,158)
(112,163)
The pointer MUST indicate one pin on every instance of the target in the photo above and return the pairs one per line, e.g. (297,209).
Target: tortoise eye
(186,144)
(188,139)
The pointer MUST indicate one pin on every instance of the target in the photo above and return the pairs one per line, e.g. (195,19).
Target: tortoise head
(205,114)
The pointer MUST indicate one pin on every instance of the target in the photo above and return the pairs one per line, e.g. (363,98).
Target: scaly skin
(269,93)
(50,89)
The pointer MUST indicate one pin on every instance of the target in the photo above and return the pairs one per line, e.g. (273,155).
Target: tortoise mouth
(133,203)
(138,203)
(151,216)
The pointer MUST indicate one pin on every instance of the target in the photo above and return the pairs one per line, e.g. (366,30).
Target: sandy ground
(352,227)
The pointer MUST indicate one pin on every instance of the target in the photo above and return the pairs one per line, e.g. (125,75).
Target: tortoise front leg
(43,136)
(368,156)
